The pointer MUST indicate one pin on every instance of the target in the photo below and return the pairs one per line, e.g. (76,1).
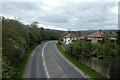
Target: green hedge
(89,49)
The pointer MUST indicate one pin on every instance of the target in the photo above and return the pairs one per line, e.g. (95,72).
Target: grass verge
(24,60)
(87,70)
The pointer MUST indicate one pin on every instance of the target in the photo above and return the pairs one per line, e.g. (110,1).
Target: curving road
(47,62)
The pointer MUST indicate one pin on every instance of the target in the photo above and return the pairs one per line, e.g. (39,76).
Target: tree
(17,38)
(118,37)
(34,24)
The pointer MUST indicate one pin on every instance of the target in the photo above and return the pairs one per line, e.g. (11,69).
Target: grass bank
(24,60)
(87,70)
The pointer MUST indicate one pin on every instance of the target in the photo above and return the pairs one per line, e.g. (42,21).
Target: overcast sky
(61,15)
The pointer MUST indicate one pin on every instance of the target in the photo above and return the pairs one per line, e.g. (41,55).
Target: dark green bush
(88,49)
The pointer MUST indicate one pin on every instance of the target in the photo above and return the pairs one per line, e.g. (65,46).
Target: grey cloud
(54,19)
(20,5)
(75,16)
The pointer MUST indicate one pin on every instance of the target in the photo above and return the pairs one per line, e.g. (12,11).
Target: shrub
(7,70)
(88,49)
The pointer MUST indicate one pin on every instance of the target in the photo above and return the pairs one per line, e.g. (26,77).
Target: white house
(69,38)
(99,36)
(96,36)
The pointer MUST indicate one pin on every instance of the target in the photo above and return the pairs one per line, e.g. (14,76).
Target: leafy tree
(7,70)
(118,37)
(17,38)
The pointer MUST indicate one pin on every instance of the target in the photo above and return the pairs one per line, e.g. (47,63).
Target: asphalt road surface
(47,62)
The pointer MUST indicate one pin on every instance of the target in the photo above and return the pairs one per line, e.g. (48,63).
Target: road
(47,62)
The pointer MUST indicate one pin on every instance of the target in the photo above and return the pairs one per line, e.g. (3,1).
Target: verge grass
(87,70)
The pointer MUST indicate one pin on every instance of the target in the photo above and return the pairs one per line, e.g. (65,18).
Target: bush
(88,49)
(59,42)
(7,70)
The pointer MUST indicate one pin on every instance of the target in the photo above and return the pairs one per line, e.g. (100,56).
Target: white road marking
(81,72)
(29,63)
(44,59)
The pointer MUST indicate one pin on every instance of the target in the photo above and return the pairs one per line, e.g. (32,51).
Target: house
(100,36)
(83,37)
(70,37)
(96,36)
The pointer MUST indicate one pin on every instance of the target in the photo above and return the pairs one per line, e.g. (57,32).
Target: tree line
(17,39)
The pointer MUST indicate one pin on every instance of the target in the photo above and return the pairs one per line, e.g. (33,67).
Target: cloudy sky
(64,15)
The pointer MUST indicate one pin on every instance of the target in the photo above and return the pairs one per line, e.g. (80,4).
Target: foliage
(118,37)
(88,49)
(87,70)
(118,42)
(7,70)
(18,39)
(105,50)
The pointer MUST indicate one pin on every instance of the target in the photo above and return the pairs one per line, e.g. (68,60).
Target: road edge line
(74,66)
(30,59)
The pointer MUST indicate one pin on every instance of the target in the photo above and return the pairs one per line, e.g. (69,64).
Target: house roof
(83,37)
(97,34)
(70,35)
(100,34)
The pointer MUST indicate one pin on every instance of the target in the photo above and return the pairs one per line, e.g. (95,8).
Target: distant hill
(113,30)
